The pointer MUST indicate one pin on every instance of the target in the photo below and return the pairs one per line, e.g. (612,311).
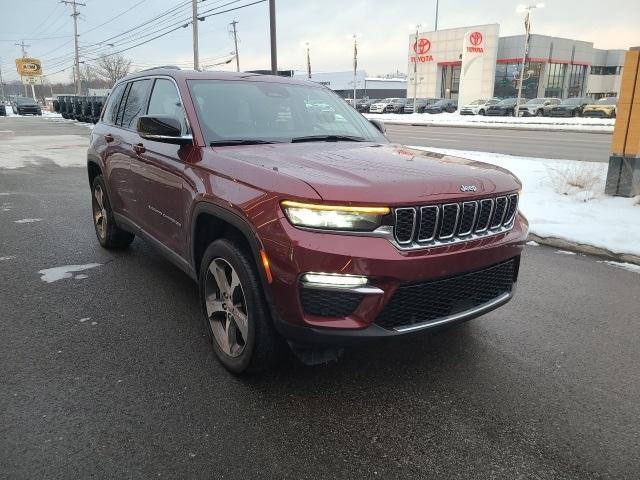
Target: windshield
(536,101)
(507,101)
(25,101)
(441,103)
(572,101)
(478,102)
(608,101)
(275,112)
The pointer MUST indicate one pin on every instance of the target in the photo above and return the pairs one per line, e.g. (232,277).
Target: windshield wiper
(328,138)
(225,143)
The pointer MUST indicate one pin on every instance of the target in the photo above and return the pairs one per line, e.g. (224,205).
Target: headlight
(334,217)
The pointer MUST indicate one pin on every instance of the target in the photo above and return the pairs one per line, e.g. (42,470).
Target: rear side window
(113,103)
(134,104)
(165,100)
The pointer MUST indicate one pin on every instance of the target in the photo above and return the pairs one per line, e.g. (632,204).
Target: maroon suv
(296,216)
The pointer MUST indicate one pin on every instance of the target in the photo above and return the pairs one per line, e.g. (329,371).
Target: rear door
(163,191)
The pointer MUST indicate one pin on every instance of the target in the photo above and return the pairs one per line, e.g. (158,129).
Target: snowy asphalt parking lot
(107,372)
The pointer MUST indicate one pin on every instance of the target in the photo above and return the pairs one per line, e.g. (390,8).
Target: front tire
(481,112)
(109,234)
(235,310)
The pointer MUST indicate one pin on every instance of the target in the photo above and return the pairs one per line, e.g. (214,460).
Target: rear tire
(109,234)
(235,310)
(540,113)
(481,112)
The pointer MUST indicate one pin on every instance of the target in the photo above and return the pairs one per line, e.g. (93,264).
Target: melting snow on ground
(28,220)
(526,123)
(8,257)
(626,266)
(50,275)
(602,221)
(63,150)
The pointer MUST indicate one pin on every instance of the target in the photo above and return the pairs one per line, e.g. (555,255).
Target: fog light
(334,279)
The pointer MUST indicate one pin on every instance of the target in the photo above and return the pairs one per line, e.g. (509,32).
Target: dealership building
(475,62)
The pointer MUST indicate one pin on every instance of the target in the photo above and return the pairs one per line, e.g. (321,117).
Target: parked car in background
(571,107)
(443,105)
(363,105)
(379,107)
(538,107)
(504,108)
(421,104)
(396,106)
(204,166)
(478,107)
(27,106)
(603,108)
(3,110)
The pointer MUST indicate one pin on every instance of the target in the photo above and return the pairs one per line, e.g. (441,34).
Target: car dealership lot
(109,373)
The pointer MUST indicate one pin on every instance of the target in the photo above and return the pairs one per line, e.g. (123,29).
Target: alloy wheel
(99,212)
(226,307)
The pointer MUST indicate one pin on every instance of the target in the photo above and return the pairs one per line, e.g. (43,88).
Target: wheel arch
(93,169)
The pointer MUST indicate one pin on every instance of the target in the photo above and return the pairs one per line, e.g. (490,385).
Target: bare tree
(111,68)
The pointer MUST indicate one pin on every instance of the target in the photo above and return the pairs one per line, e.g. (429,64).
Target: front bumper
(596,113)
(293,252)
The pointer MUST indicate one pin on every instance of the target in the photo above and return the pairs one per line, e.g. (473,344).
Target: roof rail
(168,67)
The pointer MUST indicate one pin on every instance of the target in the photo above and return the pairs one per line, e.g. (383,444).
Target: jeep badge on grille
(468,188)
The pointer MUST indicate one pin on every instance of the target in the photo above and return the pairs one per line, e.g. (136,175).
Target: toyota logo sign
(422,46)
(475,38)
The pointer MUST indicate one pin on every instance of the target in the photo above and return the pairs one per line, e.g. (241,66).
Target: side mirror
(379,125)
(162,128)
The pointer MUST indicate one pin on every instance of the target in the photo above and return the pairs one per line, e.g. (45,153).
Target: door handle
(139,148)
(108,137)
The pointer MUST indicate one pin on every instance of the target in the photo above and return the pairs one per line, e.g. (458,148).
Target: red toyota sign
(422,46)
(475,38)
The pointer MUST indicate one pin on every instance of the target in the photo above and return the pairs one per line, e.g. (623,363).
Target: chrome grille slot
(499,211)
(512,208)
(429,217)
(484,215)
(450,214)
(468,218)
(432,225)
(405,225)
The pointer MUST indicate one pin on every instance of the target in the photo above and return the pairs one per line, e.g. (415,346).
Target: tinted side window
(112,104)
(134,105)
(166,101)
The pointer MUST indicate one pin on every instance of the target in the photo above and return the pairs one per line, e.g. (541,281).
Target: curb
(584,248)
(499,126)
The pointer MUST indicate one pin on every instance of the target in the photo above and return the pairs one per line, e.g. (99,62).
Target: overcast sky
(325,24)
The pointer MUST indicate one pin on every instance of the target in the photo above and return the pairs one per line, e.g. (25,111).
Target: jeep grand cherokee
(297,225)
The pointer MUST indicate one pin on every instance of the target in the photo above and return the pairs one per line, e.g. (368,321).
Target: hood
(376,174)
(596,106)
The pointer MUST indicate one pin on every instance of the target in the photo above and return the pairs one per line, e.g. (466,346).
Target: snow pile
(528,123)
(611,223)
(45,113)
(63,150)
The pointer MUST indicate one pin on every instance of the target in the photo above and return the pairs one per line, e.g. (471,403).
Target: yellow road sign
(28,66)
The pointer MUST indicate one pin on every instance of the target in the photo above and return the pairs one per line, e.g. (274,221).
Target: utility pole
(527,36)
(196,59)
(415,68)
(272,31)
(436,29)
(1,82)
(75,14)
(308,61)
(355,66)
(235,42)
(23,46)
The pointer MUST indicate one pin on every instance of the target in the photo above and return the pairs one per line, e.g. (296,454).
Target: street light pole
(194,22)
(308,61)
(436,29)
(272,31)
(355,67)
(527,36)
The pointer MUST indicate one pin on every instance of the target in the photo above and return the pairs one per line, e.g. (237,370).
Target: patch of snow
(533,244)
(28,220)
(54,274)
(9,257)
(82,320)
(63,150)
(626,266)
(602,222)
(82,276)
(526,123)
(94,323)
(564,252)
(4,194)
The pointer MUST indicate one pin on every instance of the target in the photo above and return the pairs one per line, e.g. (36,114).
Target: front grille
(419,227)
(418,303)
(325,303)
